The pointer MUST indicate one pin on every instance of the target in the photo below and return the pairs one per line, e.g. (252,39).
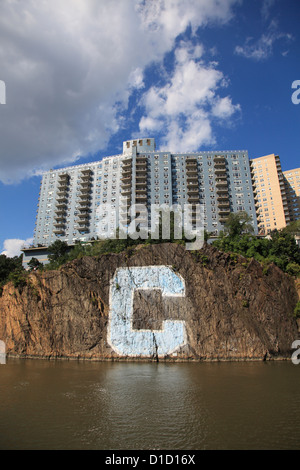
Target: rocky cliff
(157,302)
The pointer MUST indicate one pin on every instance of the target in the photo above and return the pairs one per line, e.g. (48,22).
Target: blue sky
(82,76)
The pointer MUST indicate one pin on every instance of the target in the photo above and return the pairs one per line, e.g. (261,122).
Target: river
(149,406)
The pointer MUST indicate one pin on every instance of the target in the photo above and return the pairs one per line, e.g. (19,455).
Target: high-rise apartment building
(75,202)
(271,200)
(292,189)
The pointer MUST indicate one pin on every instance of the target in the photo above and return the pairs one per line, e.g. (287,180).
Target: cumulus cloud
(71,66)
(12,247)
(187,105)
(223,108)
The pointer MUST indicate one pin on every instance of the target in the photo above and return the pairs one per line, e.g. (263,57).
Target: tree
(34,264)
(284,247)
(8,265)
(293,228)
(58,253)
(238,224)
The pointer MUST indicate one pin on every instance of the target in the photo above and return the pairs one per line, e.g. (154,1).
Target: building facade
(277,193)
(80,202)
(71,199)
(292,189)
(269,186)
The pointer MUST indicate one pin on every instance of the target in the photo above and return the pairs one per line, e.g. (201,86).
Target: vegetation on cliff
(279,248)
(10,269)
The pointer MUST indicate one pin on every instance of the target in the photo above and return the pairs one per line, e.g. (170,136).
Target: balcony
(220,171)
(191,164)
(63,178)
(61,225)
(61,200)
(82,223)
(61,193)
(61,207)
(126,179)
(193,189)
(219,158)
(81,229)
(141,171)
(224,212)
(141,160)
(85,184)
(126,194)
(192,180)
(88,171)
(60,212)
(192,173)
(221,184)
(83,216)
(83,204)
(84,195)
(60,216)
(141,198)
(83,209)
(141,181)
(222,196)
(126,170)
(224,204)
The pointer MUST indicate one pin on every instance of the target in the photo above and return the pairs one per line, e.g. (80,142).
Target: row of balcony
(61,204)
(192,183)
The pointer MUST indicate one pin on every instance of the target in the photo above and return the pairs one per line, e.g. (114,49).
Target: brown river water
(147,406)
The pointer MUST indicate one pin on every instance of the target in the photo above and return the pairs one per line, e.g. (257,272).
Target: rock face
(157,302)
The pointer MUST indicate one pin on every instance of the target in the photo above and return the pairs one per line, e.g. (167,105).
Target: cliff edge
(156,302)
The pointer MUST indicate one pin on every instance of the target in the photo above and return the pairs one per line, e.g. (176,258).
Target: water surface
(149,406)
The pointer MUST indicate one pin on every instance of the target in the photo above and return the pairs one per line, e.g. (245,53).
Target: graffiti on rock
(127,341)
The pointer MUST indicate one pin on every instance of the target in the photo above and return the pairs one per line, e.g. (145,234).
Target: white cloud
(70,67)
(262,48)
(223,108)
(12,247)
(187,105)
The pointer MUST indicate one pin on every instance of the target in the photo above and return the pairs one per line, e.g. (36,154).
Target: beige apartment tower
(292,189)
(271,199)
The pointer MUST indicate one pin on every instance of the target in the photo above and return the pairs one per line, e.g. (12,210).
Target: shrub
(297,310)
(293,269)
(18,278)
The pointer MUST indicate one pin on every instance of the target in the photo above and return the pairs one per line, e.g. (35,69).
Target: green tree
(237,224)
(34,264)
(8,265)
(58,254)
(280,248)
(292,228)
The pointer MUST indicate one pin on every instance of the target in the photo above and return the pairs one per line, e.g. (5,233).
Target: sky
(79,77)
